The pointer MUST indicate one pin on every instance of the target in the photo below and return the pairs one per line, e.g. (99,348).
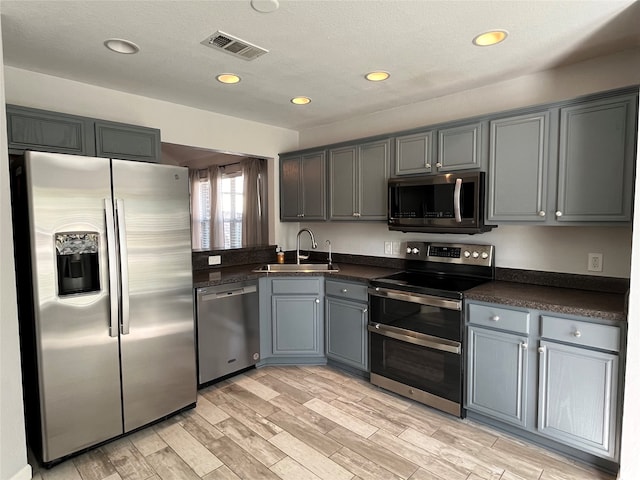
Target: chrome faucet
(328,242)
(313,245)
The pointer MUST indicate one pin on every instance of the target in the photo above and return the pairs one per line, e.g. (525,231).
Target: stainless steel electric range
(416,322)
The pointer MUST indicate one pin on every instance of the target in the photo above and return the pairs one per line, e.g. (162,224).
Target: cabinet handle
(438,165)
(542,213)
(558,213)
(524,345)
(356,214)
(577,334)
(344,290)
(541,350)
(317,300)
(427,165)
(365,310)
(495,318)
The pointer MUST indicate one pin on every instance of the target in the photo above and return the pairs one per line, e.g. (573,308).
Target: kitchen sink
(298,268)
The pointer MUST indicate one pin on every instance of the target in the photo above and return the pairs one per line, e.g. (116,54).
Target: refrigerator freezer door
(77,360)
(157,338)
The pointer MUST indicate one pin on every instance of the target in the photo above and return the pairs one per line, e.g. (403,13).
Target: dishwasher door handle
(205,297)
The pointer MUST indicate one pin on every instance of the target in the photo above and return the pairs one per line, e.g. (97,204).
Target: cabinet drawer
(292,286)
(352,291)
(499,317)
(605,337)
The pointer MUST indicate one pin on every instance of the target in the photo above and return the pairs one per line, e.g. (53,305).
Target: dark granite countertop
(221,275)
(609,306)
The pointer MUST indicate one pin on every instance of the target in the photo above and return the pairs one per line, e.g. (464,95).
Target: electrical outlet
(215,260)
(594,262)
(387,248)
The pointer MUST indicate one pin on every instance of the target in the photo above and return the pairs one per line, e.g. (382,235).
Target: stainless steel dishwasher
(228,329)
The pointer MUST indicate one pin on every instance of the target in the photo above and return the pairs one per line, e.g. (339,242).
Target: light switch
(215,260)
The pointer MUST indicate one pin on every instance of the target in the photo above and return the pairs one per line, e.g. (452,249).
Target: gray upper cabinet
(127,142)
(358,181)
(414,153)
(303,187)
(518,168)
(596,160)
(41,130)
(460,147)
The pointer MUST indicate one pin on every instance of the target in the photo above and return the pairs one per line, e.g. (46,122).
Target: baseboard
(23,474)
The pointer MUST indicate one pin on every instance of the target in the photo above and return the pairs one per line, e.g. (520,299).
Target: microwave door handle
(456,200)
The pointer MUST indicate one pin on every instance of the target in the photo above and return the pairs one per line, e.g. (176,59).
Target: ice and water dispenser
(77,262)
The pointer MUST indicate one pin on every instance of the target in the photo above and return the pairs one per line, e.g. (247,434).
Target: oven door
(415,348)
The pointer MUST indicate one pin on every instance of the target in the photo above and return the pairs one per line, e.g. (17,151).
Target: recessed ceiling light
(378,76)
(490,38)
(265,6)
(300,100)
(228,78)
(119,45)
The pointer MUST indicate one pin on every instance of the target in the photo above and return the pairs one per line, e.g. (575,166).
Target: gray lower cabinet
(41,130)
(358,181)
(346,321)
(303,187)
(551,376)
(293,330)
(565,165)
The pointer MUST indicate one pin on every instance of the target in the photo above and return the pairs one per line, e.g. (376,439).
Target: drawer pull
(494,318)
(364,310)
(524,345)
(541,350)
(344,290)
(317,300)
(577,334)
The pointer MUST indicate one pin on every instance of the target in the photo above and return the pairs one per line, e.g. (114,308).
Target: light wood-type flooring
(299,423)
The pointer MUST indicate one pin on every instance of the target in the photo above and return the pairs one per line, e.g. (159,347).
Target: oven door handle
(415,338)
(410,297)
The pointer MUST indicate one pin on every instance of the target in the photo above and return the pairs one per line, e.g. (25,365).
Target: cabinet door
(373,175)
(40,130)
(342,167)
(518,168)
(127,142)
(313,178)
(597,152)
(460,148)
(414,153)
(346,332)
(296,325)
(577,397)
(497,365)
(290,189)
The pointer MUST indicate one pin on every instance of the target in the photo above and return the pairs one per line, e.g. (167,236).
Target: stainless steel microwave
(446,203)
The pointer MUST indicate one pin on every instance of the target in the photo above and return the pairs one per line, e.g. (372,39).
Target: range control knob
(408,249)
(467,254)
(485,255)
(475,254)
(415,250)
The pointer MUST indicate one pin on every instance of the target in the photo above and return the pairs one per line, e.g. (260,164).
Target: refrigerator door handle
(113,267)
(124,266)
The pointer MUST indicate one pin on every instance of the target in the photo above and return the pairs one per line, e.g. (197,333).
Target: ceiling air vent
(233,46)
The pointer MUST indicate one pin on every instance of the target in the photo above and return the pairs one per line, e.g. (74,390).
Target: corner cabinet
(346,318)
(303,187)
(570,164)
(293,330)
(41,130)
(358,181)
(555,379)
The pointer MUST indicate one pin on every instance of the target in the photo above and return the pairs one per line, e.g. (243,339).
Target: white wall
(13,452)
(555,249)
(178,124)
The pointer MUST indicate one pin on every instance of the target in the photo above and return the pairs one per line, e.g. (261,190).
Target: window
(231,194)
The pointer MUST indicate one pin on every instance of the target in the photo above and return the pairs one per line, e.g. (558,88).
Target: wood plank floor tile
(310,436)
(251,442)
(221,473)
(362,467)
(420,457)
(339,389)
(308,417)
(216,394)
(256,422)
(309,458)
(422,474)
(94,465)
(289,469)
(169,466)
(380,455)
(63,471)
(339,416)
(368,415)
(468,440)
(127,459)
(243,465)
(297,394)
(147,441)
(201,460)
(251,400)
(210,412)
(400,417)
(255,387)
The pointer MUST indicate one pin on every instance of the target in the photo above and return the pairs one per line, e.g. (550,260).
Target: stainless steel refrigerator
(103,261)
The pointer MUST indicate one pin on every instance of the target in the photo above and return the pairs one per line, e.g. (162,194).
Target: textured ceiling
(320,49)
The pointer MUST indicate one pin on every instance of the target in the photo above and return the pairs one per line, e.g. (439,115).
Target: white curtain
(253,171)
(197,213)
(216,225)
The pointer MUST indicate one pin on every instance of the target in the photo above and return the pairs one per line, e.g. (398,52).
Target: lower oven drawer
(435,371)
